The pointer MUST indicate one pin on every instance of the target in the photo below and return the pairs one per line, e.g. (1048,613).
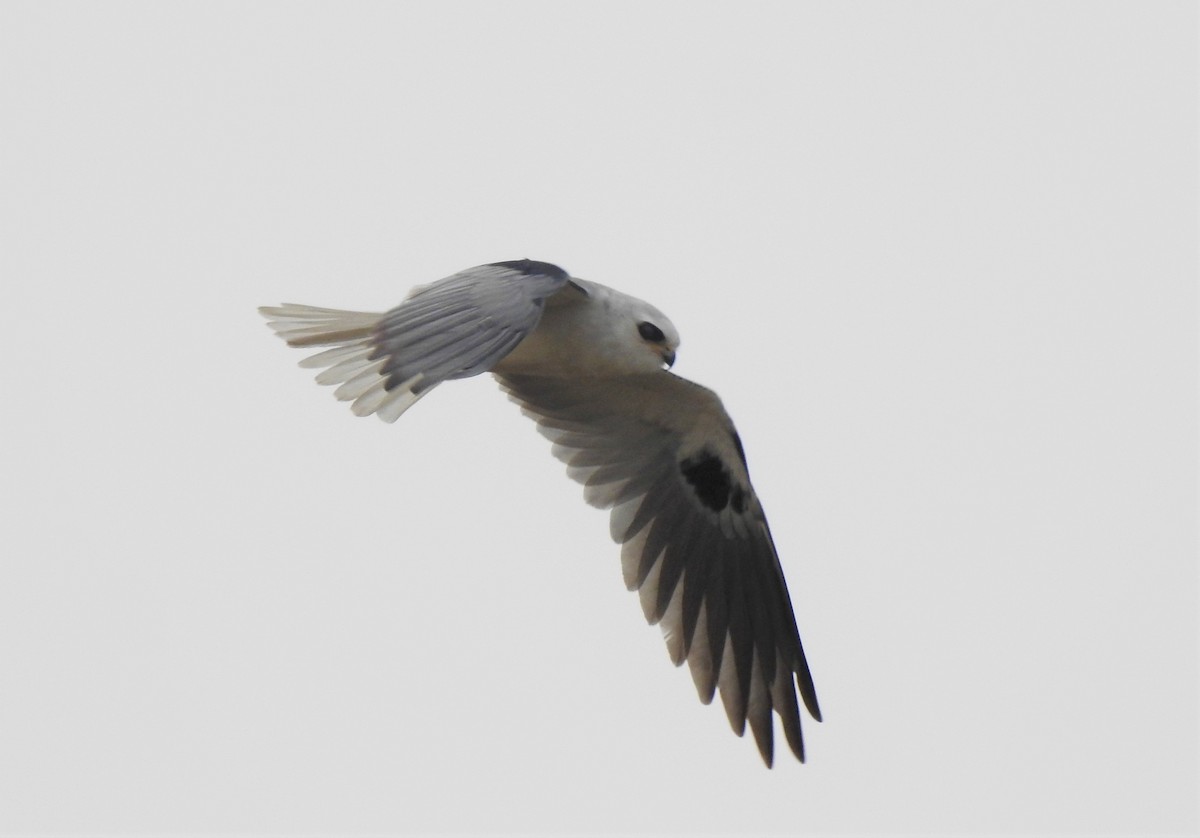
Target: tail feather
(311,326)
(347,362)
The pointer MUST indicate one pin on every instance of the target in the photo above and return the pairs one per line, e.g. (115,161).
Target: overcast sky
(938,259)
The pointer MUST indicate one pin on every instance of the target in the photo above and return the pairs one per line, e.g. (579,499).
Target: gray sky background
(939,260)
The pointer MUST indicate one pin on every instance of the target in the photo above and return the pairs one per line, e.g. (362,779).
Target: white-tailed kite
(588,364)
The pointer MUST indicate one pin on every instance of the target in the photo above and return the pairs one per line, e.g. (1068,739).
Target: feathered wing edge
(350,359)
(453,328)
(717,593)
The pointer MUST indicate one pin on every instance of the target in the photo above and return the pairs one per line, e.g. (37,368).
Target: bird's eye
(651,332)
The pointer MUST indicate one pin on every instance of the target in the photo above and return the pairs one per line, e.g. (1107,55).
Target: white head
(657,334)
(634,331)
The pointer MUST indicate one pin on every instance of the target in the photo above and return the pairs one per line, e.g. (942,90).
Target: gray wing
(462,325)
(662,453)
(453,328)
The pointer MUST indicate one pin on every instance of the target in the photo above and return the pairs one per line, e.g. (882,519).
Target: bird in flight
(589,365)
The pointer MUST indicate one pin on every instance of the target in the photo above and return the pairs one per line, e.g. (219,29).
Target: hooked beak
(668,357)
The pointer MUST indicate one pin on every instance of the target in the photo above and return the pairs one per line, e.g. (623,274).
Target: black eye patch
(651,332)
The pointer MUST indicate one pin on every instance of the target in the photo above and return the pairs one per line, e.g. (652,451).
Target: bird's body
(586,362)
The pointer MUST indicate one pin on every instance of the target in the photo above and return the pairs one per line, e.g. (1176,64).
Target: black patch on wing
(710,480)
(528,267)
(738,500)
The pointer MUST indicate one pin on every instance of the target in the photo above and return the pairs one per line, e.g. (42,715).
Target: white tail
(348,361)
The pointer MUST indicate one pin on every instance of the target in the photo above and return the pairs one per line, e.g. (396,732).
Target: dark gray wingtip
(529,267)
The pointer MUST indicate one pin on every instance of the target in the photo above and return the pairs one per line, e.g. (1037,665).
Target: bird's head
(659,337)
(630,335)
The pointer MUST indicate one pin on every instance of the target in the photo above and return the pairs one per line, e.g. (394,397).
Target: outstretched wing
(454,328)
(662,453)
